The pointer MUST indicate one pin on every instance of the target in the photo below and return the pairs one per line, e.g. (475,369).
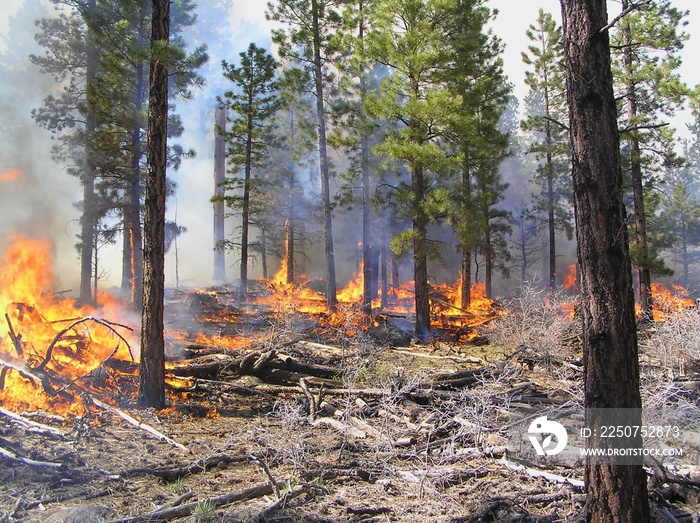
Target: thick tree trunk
(614,493)
(331,286)
(152,368)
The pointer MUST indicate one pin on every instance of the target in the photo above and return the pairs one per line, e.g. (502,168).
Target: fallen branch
(265,514)
(172,473)
(32,463)
(32,425)
(554,478)
(187,509)
(137,423)
(176,502)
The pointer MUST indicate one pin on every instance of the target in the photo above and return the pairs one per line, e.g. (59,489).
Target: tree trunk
(368,267)
(640,221)
(331,287)
(488,259)
(88,220)
(614,493)
(132,248)
(245,208)
(420,257)
(466,266)
(465,279)
(550,195)
(219,191)
(152,367)
(550,223)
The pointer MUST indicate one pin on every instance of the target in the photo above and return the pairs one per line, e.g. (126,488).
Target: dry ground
(404,440)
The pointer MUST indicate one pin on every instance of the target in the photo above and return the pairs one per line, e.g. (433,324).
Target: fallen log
(548,476)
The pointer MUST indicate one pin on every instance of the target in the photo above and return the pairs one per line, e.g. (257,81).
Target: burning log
(14,337)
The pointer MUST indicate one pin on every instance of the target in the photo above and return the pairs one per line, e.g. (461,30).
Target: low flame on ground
(669,301)
(37,316)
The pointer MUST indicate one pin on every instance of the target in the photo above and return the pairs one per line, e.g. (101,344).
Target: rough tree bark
(152,368)
(614,493)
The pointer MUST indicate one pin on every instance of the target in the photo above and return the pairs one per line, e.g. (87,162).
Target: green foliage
(546,125)
(99,52)
(250,106)
(647,43)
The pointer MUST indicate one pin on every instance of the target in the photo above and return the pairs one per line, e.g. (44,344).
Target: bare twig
(629,9)
(14,337)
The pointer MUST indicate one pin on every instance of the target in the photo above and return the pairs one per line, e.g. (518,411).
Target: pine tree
(311,24)
(356,129)
(476,78)
(282,207)
(409,40)
(548,121)
(250,106)
(609,331)
(101,123)
(72,56)
(647,41)
(152,366)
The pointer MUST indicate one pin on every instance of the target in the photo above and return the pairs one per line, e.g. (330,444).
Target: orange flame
(669,301)
(571,279)
(10,176)
(37,316)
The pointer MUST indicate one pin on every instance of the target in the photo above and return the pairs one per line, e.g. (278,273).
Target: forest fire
(50,338)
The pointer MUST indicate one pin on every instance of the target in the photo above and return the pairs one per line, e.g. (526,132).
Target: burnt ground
(319,421)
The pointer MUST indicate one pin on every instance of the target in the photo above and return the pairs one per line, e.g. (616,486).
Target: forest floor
(311,421)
